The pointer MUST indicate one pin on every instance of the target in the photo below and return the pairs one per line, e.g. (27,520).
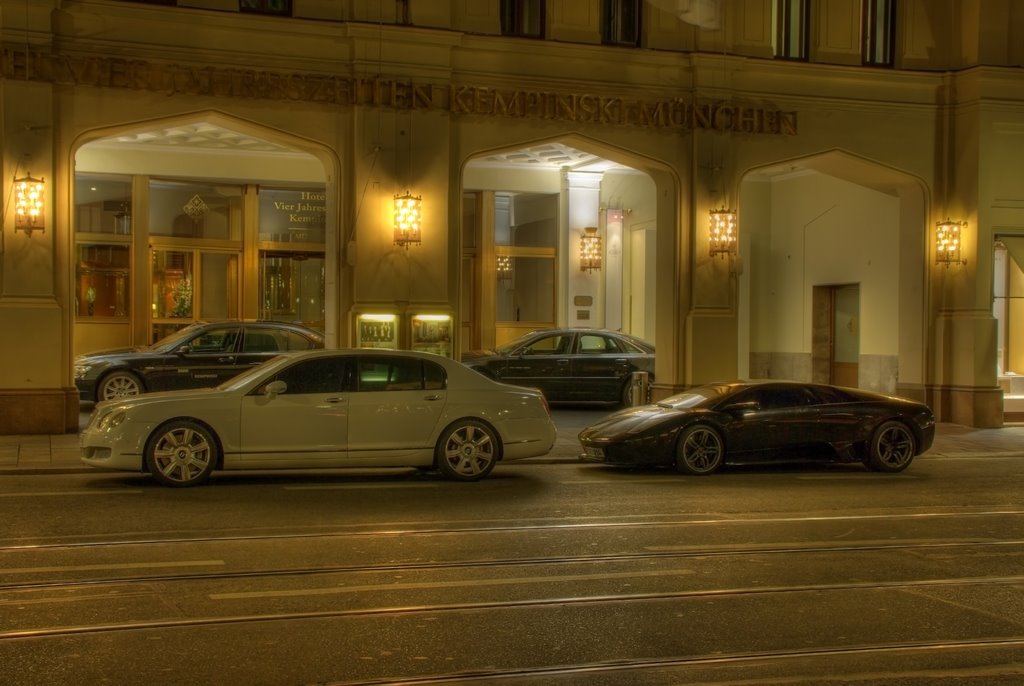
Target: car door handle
(229,358)
(562,361)
(335,400)
(433,397)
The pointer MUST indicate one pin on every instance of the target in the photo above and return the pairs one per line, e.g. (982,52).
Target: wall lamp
(504,268)
(947,242)
(722,232)
(28,204)
(590,250)
(407,219)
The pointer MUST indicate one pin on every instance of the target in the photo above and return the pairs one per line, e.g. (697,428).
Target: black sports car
(200,355)
(742,422)
(574,365)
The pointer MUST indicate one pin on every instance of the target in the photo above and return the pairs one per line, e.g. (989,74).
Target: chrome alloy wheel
(700,450)
(468,450)
(182,453)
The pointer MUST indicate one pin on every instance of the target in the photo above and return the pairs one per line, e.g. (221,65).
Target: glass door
(183,294)
(292,287)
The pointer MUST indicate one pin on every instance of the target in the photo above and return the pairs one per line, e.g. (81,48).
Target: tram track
(561,601)
(710,552)
(597,599)
(517,525)
(756,659)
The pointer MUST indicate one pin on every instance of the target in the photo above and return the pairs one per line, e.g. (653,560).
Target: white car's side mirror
(275,388)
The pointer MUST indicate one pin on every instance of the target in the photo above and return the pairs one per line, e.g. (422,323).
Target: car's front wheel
(892,447)
(118,385)
(699,450)
(467,450)
(181,453)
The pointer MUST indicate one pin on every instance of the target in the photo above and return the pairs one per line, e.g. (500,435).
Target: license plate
(591,451)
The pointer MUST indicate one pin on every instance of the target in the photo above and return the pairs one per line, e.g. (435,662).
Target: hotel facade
(826,190)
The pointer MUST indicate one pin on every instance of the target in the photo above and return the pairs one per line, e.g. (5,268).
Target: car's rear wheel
(699,450)
(892,447)
(181,453)
(467,450)
(118,385)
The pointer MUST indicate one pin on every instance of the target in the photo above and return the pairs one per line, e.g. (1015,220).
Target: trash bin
(639,388)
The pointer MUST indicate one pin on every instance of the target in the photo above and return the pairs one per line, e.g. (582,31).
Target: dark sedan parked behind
(698,430)
(201,355)
(574,365)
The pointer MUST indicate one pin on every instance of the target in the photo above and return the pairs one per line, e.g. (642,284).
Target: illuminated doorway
(835,338)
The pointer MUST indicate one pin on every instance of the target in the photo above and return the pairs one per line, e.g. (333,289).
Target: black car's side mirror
(183,350)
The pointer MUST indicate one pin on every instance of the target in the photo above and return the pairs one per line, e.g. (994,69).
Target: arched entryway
(203,216)
(834,284)
(526,210)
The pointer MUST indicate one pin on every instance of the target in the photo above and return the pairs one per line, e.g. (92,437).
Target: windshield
(174,340)
(701,396)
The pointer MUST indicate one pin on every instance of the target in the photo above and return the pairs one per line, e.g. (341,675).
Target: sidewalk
(59,453)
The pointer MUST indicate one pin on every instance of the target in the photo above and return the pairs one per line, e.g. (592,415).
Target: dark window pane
(434,377)
(522,18)
(620,22)
(777,398)
(790,19)
(879,31)
(319,375)
(220,340)
(549,345)
(281,7)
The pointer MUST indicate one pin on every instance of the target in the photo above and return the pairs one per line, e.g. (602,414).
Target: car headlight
(81,369)
(111,419)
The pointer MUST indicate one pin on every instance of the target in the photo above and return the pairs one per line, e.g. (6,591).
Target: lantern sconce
(722,232)
(504,268)
(590,250)
(28,204)
(407,219)
(947,242)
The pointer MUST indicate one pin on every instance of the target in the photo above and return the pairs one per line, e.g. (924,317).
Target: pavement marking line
(970,456)
(345,487)
(446,584)
(850,477)
(133,565)
(591,482)
(50,494)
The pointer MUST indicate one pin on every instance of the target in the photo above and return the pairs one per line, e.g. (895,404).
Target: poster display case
(377,330)
(431,333)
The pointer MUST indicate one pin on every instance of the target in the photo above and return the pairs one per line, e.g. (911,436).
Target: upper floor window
(790,20)
(878,31)
(280,7)
(522,18)
(620,22)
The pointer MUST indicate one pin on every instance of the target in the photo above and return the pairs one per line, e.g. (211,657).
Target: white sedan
(325,409)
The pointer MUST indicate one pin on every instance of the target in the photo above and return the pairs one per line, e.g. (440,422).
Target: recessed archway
(595,184)
(818,224)
(111,187)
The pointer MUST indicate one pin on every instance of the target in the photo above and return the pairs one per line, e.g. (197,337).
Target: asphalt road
(541,574)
